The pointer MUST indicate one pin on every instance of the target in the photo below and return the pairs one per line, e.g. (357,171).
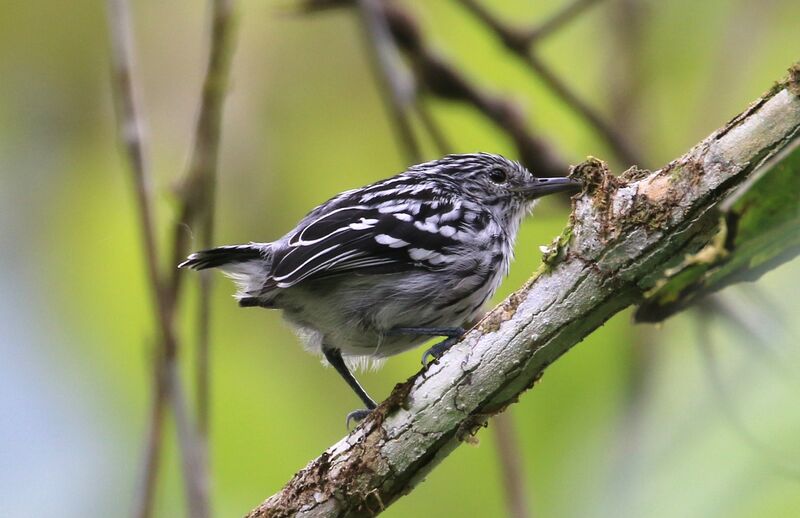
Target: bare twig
(194,457)
(510,457)
(202,175)
(392,77)
(759,331)
(438,137)
(624,67)
(130,134)
(438,77)
(197,194)
(563,16)
(144,494)
(167,387)
(520,45)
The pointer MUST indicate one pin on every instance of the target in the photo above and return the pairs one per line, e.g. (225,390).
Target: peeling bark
(625,232)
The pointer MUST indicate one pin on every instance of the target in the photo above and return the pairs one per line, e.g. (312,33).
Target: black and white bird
(378,270)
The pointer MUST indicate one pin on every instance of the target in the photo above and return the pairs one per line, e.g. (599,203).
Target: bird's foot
(426,331)
(436,352)
(453,335)
(357,416)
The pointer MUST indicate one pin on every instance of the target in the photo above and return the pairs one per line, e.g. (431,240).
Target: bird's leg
(453,335)
(427,331)
(334,357)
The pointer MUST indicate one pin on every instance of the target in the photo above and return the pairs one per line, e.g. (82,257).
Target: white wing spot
(420,254)
(453,214)
(426,227)
(391,242)
(439,259)
(402,216)
(397,207)
(447,231)
(364,224)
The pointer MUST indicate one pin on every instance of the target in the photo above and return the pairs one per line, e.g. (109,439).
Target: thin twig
(436,76)
(202,176)
(129,131)
(759,331)
(625,69)
(391,76)
(438,137)
(562,17)
(148,475)
(509,454)
(194,457)
(522,48)
(440,78)
(616,141)
(197,194)
(166,381)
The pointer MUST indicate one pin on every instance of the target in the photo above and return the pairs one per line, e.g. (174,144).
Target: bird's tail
(225,256)
(248,265)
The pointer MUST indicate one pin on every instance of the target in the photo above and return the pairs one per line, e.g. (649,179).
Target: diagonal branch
(625,232)
(392,77)
(129,132)
(436,76)
(439,77)
(563,16)
(521,45)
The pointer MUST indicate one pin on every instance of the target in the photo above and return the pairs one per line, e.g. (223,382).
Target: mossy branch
(758,229)
(626,235)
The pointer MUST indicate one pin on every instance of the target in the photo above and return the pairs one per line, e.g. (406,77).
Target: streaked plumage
(425,248)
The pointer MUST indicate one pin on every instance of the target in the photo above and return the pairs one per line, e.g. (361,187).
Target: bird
(379,270)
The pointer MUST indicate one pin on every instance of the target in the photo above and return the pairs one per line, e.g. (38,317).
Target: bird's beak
(538,187)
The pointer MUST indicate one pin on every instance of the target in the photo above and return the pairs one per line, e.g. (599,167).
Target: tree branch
(563,16)
(758,230)
(398,87)
(438,77)
(197,192)
(509,455)
(130,134)
(625,232)
(521,44)
(203,172)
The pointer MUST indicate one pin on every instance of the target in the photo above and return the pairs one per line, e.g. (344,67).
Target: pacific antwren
(378,270)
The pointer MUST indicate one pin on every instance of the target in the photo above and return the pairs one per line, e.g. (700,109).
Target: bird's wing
(392,237)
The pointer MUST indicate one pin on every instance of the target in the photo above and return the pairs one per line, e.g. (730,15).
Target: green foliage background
(628,424)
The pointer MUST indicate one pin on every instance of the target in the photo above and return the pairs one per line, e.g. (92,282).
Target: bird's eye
(498,176)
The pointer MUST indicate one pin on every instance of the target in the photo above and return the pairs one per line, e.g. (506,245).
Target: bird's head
(503,186)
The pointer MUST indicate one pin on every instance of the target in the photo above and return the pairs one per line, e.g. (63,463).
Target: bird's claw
(438,350)
(357,416)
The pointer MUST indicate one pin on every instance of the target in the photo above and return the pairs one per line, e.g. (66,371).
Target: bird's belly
(355,313)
